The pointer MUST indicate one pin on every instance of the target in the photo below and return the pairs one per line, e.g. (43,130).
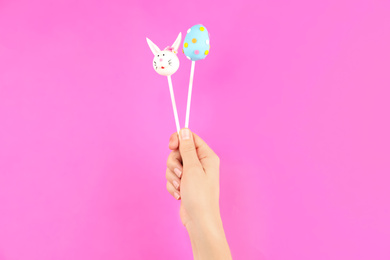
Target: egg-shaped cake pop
(196,44)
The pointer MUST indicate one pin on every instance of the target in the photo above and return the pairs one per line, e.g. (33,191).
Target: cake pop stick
(173,104)
(189,94)
(166,63)
(196,47)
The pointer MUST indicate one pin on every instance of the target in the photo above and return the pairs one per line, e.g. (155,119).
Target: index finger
(174,141)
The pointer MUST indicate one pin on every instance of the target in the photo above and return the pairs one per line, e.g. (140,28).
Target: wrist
(205,225)
(208,239)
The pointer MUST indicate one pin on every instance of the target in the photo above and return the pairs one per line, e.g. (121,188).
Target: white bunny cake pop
(165,61)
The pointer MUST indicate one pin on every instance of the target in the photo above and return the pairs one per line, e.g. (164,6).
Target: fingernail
(177,172)
(175,184)
(177,195)
(185,133)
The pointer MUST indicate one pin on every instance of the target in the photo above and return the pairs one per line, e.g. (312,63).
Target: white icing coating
(165,62)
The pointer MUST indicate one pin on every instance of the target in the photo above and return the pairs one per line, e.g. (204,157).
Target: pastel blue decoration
(196,45)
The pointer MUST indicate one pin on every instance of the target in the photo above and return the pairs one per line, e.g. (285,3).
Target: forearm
(208,239)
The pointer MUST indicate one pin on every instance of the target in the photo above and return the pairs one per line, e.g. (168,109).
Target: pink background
(294,97)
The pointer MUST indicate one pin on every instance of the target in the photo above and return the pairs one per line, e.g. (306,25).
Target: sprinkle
(207,42)
(201,28)
(185,45)
(194,40)
(206,52)
(189,30)
(196,52)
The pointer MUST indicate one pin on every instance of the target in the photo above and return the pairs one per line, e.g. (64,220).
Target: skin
(193,178)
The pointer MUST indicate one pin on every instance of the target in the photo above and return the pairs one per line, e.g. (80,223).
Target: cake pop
(196,47)
(166,63)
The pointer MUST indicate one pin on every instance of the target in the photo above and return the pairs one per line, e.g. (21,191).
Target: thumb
(206,155)
(187,149)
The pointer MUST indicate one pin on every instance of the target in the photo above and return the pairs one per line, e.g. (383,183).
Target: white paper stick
(189,94)
(173,104)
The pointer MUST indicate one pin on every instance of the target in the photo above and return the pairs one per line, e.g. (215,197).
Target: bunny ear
(176,44)
(153,47)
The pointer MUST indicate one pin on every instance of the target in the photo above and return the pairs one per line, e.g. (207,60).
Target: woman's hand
(193,176)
